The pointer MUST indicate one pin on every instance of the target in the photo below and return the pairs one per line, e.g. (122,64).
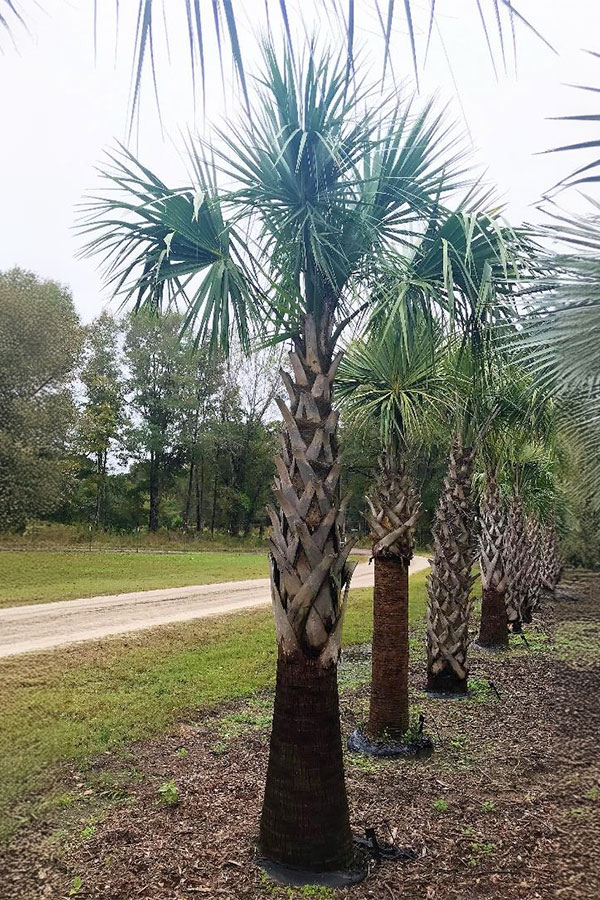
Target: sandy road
(44,625)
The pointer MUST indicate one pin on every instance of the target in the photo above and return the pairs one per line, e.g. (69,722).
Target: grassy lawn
(67,705)
(40,577)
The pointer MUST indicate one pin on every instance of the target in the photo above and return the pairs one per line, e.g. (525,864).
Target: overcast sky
(61,109)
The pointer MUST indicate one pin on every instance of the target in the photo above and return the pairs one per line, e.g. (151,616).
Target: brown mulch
(508,806)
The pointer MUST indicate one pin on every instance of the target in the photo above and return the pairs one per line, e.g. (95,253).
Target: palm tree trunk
(532,587)
(516,563)
(449,585)
(389,710)
(393,512)
(305,822)
(551,561)
(493,629)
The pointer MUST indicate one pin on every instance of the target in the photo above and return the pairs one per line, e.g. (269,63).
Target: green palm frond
(562,332)
(397,381)
(560,339)
(588,173)
(305,222)
(161,247)
(535,473)
(227,25)
(342,173)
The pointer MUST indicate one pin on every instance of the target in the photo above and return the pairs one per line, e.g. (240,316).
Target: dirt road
(44,625)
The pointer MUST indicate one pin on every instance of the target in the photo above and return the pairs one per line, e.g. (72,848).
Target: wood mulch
(507,807)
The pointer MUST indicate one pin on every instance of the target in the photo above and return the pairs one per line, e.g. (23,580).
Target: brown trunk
(493,629)
(214,507)
(188,497)
(304,821)
(389,682)
(153,518)
(200,496)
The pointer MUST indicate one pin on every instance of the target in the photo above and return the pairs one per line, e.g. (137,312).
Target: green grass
(70,704)
(56,536)
(40,577)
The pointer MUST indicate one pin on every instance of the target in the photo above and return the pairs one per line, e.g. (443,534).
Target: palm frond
(223,23)
(395,381)
(561,334)
(583,174)
(560,339)
(164,247)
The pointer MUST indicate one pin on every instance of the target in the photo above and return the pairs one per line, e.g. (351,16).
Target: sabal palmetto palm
(392,383)
(514,401)
(324,193)
(529,474)
(481,260)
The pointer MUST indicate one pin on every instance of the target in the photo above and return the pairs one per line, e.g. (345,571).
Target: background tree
(198,403)
(40,342)
(103,406)
(156,363)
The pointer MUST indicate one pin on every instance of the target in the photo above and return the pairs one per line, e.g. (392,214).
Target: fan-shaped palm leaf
(397,381)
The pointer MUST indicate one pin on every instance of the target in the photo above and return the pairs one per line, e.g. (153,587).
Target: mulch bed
(507,807)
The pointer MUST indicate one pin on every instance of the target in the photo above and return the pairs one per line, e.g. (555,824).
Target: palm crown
(323,194)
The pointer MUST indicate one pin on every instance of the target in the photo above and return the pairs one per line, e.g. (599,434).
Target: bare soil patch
(507,807)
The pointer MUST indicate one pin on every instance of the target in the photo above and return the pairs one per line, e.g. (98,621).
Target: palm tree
(493,627)
(393,382)
(324,194)
(480,260)
(513,401)
(531,473)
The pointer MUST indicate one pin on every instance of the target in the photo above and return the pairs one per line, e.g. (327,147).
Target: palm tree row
(406,379)
(325,207)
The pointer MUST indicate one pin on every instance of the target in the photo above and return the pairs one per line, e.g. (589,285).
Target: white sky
(61,108)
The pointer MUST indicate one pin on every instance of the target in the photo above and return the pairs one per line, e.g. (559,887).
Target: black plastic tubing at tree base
(421,747)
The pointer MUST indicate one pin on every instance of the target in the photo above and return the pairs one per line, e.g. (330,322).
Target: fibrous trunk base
(493,630)
(388,712)
(305,822)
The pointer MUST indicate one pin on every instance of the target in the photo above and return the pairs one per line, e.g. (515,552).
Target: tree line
(124,424)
